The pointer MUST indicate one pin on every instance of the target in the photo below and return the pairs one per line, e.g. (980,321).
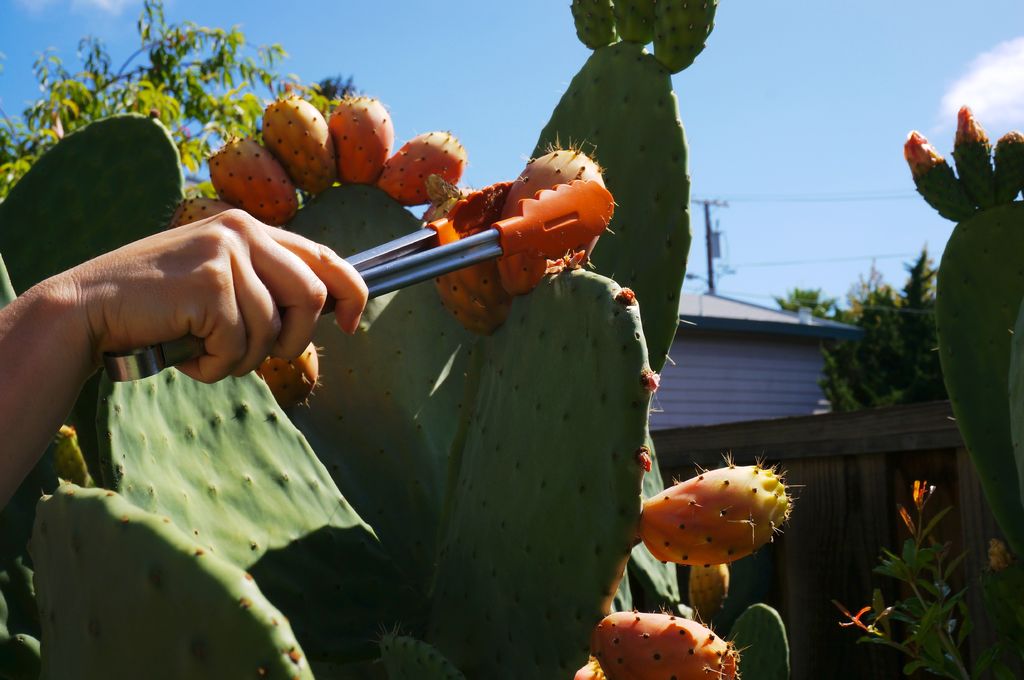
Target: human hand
(248,289)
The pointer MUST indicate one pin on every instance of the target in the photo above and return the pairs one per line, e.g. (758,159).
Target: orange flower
(968,130)
(922,492)
(854,618)
(921,156)
(906,518)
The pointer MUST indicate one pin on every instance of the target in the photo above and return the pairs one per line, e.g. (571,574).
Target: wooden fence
(848,472)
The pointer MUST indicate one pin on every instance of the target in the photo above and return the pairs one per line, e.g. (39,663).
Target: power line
(838,197)
(851,258)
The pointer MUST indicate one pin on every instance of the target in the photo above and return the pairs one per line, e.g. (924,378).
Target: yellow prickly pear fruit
(68,459)
(709,586)
(194,209)
(592,671)
(716,517)
(291,382)
(297,134)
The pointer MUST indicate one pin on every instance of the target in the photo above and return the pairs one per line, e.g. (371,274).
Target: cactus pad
(90,196)
(407,658)
(6,289)
(649,237)
(227,466)
(760,634)
(980,287)
(545,502)
(164,608)
(681,28)
(386,414)
(595,23)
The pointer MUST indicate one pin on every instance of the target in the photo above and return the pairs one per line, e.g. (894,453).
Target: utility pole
(709,236)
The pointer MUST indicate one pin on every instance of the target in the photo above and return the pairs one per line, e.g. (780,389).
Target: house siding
(720,378)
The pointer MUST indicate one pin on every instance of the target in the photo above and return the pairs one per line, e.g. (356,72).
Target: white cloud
(993,87)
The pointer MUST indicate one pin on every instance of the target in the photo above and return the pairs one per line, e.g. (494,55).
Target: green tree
(896,361)
(204,84)
(811,298)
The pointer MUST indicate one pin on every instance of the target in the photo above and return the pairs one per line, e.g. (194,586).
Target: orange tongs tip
(558,220)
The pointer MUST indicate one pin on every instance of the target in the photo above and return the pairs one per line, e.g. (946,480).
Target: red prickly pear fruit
(194,209)
(248,176)
(474,294)
(291,382)
(592,671)
(708,587)
(716,517)
(363,138)
(521,273)
(296,132)
(433,153)
(635,646)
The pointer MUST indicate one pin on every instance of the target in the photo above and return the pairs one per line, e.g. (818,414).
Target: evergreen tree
(896,361)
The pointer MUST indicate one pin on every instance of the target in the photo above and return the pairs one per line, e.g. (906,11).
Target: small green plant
(931,626)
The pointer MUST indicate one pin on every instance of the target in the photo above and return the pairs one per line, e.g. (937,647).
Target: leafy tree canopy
(204,84)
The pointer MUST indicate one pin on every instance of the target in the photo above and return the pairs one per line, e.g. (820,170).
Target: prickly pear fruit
(521,273)
(363,138)
(716,517)
(973,154)
(935,180)
(296,132)
(1009,174)
(194,209)
(474,294)
(291,382)
(636,646)
(595,24)
(433,153)
(249,177)
(708,587)
(592,671)
(68,461)
(681,29)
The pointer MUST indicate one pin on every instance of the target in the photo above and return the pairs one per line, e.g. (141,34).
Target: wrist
(60,304)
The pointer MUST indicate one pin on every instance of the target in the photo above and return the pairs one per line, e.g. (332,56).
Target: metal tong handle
(407,260)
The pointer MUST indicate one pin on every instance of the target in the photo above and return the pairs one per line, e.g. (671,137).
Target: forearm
(45,357)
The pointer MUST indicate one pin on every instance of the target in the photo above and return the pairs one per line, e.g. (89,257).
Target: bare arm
(223,279)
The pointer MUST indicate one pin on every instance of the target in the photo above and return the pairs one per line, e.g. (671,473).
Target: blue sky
(794,109)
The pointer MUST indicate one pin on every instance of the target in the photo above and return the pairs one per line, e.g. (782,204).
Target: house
(733,361)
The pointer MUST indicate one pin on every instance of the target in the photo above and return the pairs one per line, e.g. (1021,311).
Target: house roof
(717,313)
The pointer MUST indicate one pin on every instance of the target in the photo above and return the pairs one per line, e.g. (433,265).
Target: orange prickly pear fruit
(433,153)
(635,646)
(296,132)
(194,209)
(520,273)
(248,176)
(709,586)
(716,517)
(363,137)
(474,294)
(291,382)
(592,671)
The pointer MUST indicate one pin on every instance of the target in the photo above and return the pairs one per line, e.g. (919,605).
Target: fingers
(341,279)
(299,295)
(220,325)
(260,317)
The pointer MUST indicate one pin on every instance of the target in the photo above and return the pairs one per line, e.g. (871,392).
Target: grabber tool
(550,224)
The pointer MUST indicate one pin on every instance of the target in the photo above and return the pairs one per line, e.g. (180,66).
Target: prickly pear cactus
(584,489)
(231,471)
(6,289)
(103,186)
(980,288)
(202,617)
(407,658)
(761,634)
